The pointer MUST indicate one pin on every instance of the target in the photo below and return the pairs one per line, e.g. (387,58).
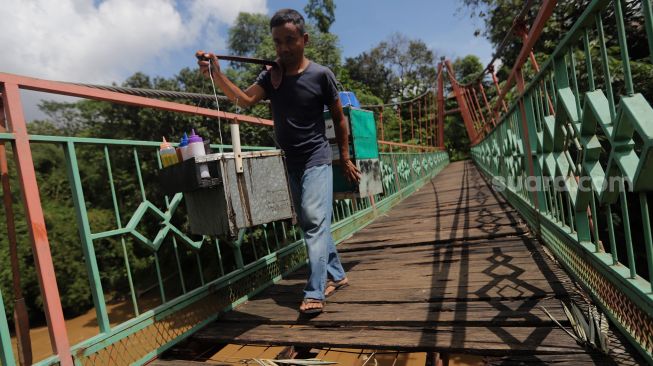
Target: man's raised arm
(246,98)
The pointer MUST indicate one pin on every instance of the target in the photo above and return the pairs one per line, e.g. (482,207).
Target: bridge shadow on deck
(451,269)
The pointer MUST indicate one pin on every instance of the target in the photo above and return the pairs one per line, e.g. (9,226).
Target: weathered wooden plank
(357,357)
(228,352)
(433,238)
(453,339)
(521,244)
(233,354)
(411,359)
(433,224)
(494,264)
(428,232)
(497,265)
(577,359)
(427,271)
(432,204)
(186,363)
(442,252)
(445,278)
(342,356)
(480,259)
(493,312)
(472,292)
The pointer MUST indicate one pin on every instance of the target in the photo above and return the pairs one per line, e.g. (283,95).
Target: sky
(105,41)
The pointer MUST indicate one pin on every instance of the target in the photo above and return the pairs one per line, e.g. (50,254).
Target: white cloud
(207,15)
(79,40)
(91,41)
(224,10)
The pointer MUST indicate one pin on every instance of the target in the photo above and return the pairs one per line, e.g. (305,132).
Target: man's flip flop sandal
(336,286)
(312,310)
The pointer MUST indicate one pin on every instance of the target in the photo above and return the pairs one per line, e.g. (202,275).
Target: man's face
(289,43)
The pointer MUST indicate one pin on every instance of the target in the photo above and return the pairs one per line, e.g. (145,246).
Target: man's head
(289,36)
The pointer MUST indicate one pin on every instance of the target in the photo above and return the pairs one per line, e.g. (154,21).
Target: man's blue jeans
(312,193)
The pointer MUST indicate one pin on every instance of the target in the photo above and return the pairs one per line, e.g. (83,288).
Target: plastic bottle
(183,147)
(196,148)
(179,157)
(168,154)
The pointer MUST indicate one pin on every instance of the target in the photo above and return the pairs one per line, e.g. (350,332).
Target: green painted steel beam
(85,237)
(110,233)
(111,142)
(623,46)
(647,13)
(6,353)
(123,244)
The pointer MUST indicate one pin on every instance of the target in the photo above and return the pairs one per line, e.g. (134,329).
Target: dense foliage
(498,16)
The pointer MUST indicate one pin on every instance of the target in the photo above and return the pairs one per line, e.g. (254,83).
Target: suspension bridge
(522,255)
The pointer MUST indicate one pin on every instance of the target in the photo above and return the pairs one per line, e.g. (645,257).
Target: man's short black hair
(284,16)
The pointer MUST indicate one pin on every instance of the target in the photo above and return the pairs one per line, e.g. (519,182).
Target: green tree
(368,70)
(411,61)
(456,139)
(59,213)
(247,33)
(467,68)
(321,13)
(397,68)
(498,16)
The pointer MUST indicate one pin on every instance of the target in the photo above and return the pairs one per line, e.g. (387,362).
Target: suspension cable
(398,103)
(158,93)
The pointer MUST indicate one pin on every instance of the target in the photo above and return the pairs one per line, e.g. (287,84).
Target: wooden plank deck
(451,269)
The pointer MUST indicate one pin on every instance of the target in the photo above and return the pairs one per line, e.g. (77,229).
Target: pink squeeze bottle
(168,154)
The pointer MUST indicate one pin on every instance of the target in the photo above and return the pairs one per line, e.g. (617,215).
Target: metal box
(370,183)
(257,196)
(363,150)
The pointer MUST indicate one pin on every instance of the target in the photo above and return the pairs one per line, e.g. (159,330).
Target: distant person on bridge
(298,90)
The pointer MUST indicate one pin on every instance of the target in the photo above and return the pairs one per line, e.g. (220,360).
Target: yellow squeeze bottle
(168,154)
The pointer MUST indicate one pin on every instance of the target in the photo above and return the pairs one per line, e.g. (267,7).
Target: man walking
(298,91)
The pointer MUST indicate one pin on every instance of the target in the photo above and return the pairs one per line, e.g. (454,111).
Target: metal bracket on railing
(235,142)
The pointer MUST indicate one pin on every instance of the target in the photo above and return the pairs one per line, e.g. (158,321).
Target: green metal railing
(574,155)
(192,279)
(6,354)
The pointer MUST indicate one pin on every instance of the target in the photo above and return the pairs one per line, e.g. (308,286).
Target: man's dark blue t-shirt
(297,109)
